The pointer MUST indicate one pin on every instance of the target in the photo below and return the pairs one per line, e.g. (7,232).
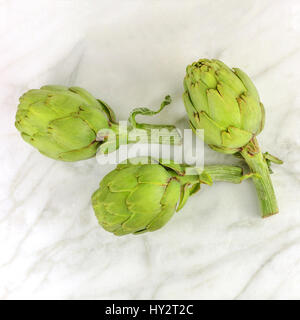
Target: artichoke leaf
(223,108)
(185,193)
(251,116)
(168,201)
(235,137)
(212,130)
(249,85)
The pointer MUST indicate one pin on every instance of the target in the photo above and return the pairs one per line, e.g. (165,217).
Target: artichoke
(136,198)
(225,104)
(62,123)
(69,124)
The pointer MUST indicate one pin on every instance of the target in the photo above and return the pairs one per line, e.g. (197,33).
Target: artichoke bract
(69,124)
(136,198)
(62,123)
(226,105)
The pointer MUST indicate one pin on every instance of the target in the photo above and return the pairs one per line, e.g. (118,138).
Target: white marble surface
(131,53)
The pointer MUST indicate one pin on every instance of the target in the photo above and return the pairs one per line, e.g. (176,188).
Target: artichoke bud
(224,102)
(137,198)
(69,124)
(62,123)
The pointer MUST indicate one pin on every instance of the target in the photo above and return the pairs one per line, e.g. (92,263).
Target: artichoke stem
(219,173)
(231,174)
(261,178)
(160,134)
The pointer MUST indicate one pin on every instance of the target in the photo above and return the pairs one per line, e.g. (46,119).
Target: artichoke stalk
(225,103)
(69,124)
(136,198)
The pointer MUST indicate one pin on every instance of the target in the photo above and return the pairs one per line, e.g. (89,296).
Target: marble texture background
(131,53)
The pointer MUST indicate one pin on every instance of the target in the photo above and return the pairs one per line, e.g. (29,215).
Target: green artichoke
(63,123)
(136,198)
(225,103)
